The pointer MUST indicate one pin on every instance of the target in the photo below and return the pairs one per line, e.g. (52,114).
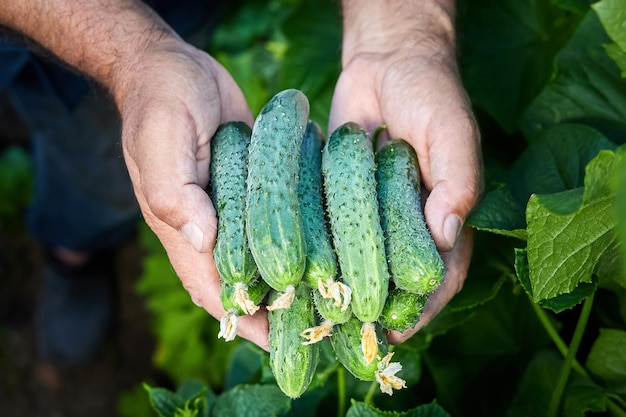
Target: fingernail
(194,235)
(451,229)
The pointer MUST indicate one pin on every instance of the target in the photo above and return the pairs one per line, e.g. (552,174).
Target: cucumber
(237,300)
(273,222)
(346,342)
(331,310)
(414,263)
(402,310)
(321,261)
(352,205)
(292,362)
(228,173)
(231,300)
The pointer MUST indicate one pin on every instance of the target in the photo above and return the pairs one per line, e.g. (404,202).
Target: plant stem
(369,397)
(570,357)
(341,391)
(614,409)
(375,136)
(556,338)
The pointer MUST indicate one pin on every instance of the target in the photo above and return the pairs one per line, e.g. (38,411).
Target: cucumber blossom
(273,222)
(352,205)
(414,263)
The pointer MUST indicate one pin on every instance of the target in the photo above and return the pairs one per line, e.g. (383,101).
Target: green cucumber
(256,291)
(228,173)
(402,310)
(346,342)
(330,309)
(292,362)
(273,222)
(414,263)
(321,261)
(352,205)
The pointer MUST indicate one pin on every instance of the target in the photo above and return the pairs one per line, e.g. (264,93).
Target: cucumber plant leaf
(360,409)
(586,86)
(252,400)
(554,161)
(164,401)
(607,359)
(504,72)
(612,14)
(536,386)
(569,233)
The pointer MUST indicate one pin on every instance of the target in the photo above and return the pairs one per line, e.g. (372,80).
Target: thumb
(169,172)
(455,182)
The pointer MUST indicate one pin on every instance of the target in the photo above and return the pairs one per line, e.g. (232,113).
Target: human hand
(173,99)
(402,73)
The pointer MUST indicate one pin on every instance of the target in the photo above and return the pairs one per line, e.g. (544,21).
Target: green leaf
(312,61)
(607,359)
(535,390)
(559,303)
(16,187)
(164,401)
(612,15)
(570,232)
(577,6)
(360,409)
(252,401)
(501,213)
(554,161)
(618,55)
(507,49)
(620,208)
(586,85)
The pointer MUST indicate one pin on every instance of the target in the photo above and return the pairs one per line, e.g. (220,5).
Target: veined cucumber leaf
(559,303)
(359,409)
(504,72)
(607,359)
(612,14)
(535,390)
(586,85)
(571,235)
(252,400)
(554,161)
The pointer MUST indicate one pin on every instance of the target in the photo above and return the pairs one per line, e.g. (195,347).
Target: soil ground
(29,387)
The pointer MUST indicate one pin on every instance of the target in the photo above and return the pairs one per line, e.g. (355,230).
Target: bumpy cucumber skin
(346,342)
(228,173)
(257,290)
(402,310)
(321,259)
(352,205)
(414,263)
(293,364)
(273,222)
(328,311)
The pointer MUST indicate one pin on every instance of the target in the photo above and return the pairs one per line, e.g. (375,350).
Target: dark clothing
(83,196)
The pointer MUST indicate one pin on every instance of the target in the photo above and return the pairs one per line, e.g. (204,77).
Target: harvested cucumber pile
(327,233)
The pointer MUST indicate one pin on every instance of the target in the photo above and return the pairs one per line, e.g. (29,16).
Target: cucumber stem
(556,338)
(341,391)
(375,136)
(570,357)
(615,409)
(369,397)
